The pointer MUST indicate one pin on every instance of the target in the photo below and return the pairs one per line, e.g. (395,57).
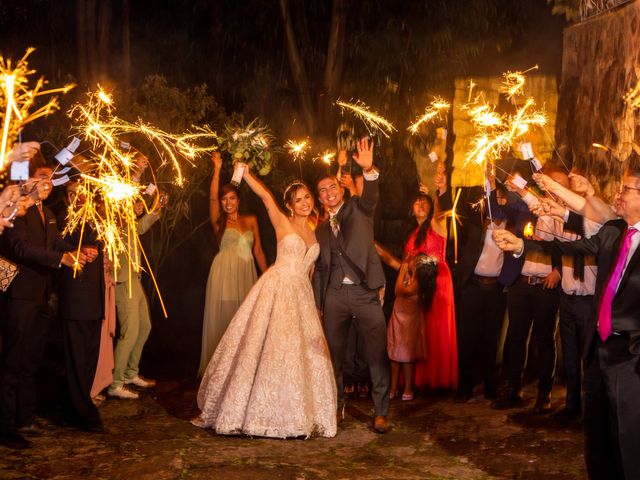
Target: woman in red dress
(439,370)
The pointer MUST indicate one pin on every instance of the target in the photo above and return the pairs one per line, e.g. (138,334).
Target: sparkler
(18,99)
(513,83)
(454,223)
(529,231)
(372,120)
(437,108)
(99,126)
(107,190)
(326,157)
(298,149)
(498,132)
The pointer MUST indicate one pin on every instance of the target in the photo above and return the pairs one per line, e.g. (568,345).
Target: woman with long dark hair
(233,270)
(440,368)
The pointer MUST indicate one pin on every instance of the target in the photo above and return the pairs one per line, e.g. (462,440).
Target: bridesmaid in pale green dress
(233,270)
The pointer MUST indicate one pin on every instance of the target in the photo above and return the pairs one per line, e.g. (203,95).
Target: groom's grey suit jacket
(355,220)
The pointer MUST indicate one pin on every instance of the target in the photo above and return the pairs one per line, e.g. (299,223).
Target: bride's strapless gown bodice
(271,374)
(294,256)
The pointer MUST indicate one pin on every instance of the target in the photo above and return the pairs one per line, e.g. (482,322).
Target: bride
(271,374)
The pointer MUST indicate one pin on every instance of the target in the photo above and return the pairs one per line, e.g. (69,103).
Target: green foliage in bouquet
(251,144)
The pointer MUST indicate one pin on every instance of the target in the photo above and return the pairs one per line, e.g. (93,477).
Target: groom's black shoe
(380,424)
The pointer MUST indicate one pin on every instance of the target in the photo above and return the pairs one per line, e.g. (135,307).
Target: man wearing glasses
(612,337)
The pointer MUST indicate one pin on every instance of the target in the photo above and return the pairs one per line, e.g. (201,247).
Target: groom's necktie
(604,316)
(333,221)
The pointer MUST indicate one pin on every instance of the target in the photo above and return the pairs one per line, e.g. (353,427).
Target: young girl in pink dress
(415,288)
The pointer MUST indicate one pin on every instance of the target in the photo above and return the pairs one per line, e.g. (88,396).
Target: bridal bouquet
(250,144)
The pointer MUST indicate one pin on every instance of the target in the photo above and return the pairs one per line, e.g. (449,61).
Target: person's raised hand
(548,206)
(22,152)
(346,181)
(544,182)
(8,197)
(4,223)
(364,158)
(507,241)
(216,158)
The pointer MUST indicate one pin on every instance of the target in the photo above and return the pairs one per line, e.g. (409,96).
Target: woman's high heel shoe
(392,394)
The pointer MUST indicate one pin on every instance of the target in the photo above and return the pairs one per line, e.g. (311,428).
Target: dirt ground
(432,438)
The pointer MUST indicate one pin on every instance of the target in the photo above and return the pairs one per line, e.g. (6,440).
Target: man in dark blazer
(81,311)
(612,336)
(35,246)
(347,278)
(481,300)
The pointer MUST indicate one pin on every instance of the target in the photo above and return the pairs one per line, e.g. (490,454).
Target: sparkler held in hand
(18,98)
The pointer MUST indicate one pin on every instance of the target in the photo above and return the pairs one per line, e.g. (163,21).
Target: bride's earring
(291,213)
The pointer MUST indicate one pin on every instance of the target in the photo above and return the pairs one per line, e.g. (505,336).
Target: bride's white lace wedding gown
(271,374)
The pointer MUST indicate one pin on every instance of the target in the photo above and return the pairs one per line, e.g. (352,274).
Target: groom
(347,278)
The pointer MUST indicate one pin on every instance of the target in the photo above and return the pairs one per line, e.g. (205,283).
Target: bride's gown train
(271,374)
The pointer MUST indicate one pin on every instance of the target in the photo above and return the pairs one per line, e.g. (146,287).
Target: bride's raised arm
(276,216)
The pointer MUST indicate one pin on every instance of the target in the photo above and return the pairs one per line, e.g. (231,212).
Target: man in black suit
(35,246)
(612,337)
(81,310)
(347,279)
(481,302)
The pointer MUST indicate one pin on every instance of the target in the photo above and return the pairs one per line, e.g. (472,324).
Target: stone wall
(601,63)
(542,88)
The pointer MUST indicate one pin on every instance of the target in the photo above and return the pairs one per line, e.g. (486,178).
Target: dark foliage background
(189,62)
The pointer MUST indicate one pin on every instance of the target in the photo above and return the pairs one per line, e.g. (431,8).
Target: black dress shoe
(509,399)
(543,404)
(15,441)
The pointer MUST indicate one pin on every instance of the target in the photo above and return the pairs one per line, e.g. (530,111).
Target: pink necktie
(604,316)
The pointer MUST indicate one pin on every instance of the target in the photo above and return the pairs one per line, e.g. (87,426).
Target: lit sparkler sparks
(98,125)
(326,157)
(496,133)
(18,98)
(107,189)
(513,83)
(436,110)
(372,120)
(297,149)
